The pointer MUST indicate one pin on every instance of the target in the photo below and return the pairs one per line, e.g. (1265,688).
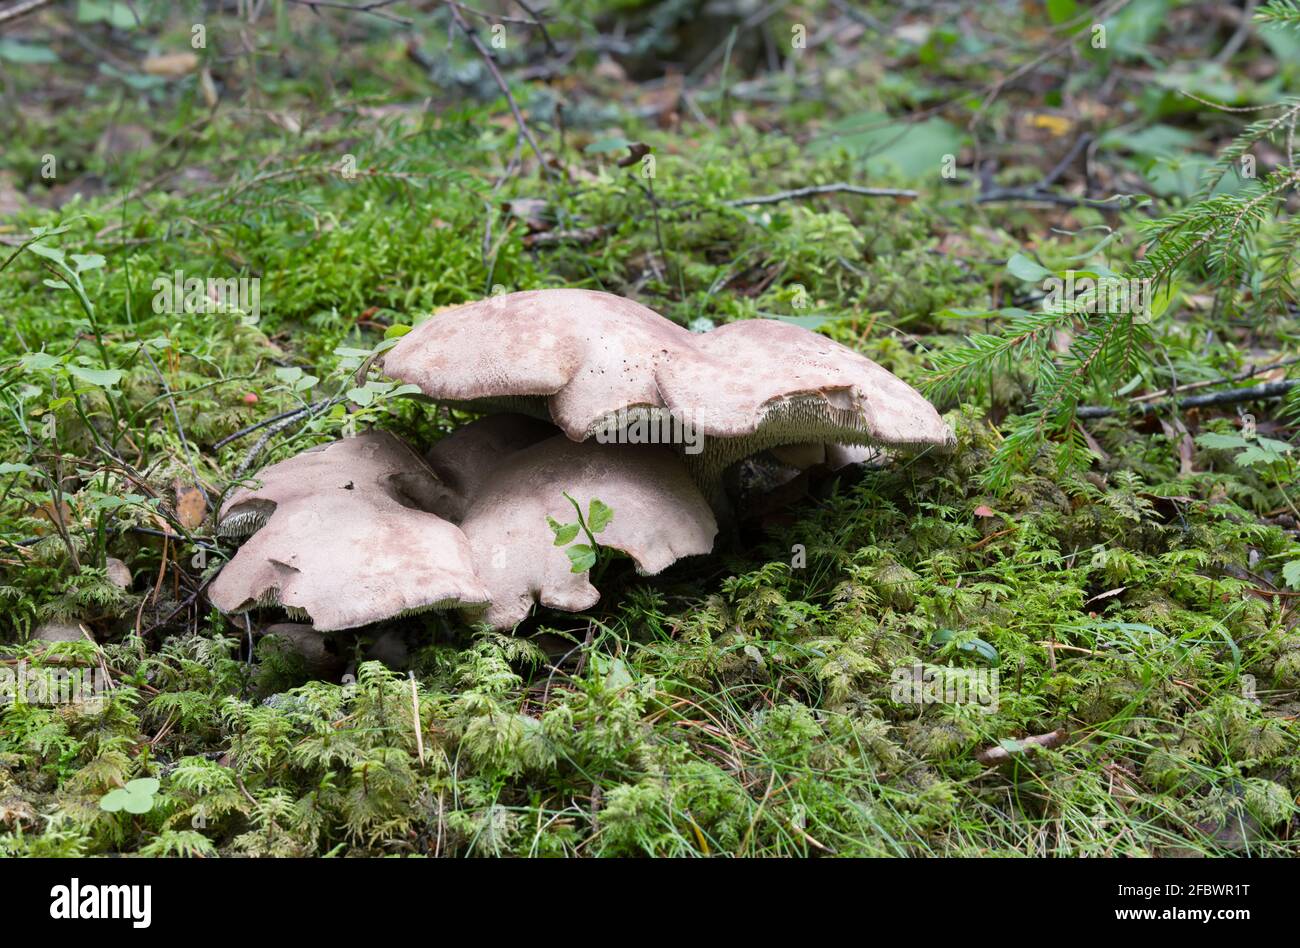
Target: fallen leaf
(534,212)
(191,507)
(609,69)
(636,151)
(60,515)
(1055,124)
(1108,594)
(118,574)
(171,65)
(208,88)
(1007,749)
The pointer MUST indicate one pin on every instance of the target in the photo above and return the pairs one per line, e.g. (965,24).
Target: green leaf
(1291,573)
(1221,442)
(1257,455)
(888,147)
(114,501)
(114,801)
(1153,141)
(1024,268)
(397,330)
(103,378)
(48,252)
(811,322)
(17,469)
(136,797)
(1274,445)
(38,362)
(564,532)
(138,804)
(87,261)
(1161,299)
(975,646)
(362,396)
(1062,11)
(114,12)
(603,146)
(582,556)
(16,52)
(599,515)
(617,677)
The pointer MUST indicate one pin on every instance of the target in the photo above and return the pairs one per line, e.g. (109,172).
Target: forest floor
(1134,625)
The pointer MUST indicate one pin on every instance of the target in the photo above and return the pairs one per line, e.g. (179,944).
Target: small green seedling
(583,556)
(971,644)
(136,797)
(1252,450)
(1273,458)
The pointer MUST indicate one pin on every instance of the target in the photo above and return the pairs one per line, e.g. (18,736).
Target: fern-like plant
(1245,243)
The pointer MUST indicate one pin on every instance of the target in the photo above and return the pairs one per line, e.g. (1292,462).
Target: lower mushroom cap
(466,458)
(659,517)
(347,539)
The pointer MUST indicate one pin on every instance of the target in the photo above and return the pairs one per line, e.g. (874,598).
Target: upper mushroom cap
(343,534)
(659,516)
(745,374)
(582,354)
(592,360)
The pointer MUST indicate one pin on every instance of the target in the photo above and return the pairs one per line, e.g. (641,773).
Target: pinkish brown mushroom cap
(464,460)
(659,516)
(599,365)
(343,536)
(568,356)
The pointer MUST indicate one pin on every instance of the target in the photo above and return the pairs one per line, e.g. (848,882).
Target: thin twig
(488,61)
(1000,754)
(838,187)
(1264,392)
(275,429)
(1238,38)
(264,422)
(1038,195)
(1063,165)
(1206,383)
(541,25)
(180,429)
(415,712)
(22,8)
(373,8)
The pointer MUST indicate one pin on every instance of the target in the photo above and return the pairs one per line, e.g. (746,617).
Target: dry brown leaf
(191,507)
(118,574)
(609,69)
(1108,594)
(1058,125)
(171,65)
(47,511)
(208,88)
